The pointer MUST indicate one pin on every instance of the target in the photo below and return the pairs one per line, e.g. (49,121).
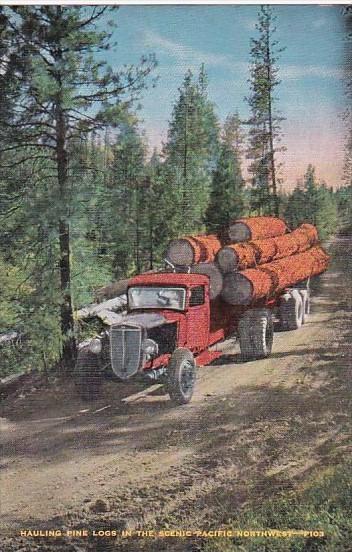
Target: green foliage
(190,154)
(325,505)
(227,200)
(264,122)
(313,202)
(344,203)
(66,93)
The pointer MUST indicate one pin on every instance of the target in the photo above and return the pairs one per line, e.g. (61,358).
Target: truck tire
(87,376)
(304,293)
(181,376)
(291,310)
(256,334)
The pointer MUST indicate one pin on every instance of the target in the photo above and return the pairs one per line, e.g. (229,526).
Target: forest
(83,199)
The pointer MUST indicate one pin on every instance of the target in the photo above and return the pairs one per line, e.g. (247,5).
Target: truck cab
(164,331)
(182,299)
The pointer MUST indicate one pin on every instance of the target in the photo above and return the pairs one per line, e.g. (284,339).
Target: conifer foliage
(312,201)
(227,198)
(62,93)
(264,122)
(190,153)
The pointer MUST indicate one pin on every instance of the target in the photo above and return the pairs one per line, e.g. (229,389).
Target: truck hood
(144,319)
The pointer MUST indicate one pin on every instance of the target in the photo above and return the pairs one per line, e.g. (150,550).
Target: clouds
(288,71)
(319,23)
(190,56)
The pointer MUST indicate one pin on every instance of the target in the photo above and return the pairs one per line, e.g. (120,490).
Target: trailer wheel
(87,375)
(181,376)
(304,293)
(291,310)
(256,334)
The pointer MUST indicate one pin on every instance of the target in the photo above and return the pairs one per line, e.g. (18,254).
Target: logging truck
(171,326)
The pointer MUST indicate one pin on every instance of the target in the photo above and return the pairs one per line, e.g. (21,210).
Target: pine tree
(264,122)
(227,200)
(233,134)
(344,195)
(127,206)
(63,92)
(312,201)
(190,155)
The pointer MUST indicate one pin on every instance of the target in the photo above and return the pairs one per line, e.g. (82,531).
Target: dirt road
(252,429)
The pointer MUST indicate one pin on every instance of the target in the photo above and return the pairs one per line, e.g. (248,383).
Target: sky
(311,93)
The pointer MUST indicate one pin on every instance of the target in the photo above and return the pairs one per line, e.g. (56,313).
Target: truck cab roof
(169,279)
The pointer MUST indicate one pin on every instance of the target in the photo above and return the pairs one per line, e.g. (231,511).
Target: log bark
(192,250)
(256,228)
(240,256)
(115,289)
(267,280)
(215,277)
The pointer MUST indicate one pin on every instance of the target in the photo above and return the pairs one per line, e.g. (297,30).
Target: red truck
(169,328)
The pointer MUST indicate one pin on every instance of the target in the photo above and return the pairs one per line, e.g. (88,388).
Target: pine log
(192,250)
(239,256)
(267,280)
(256,228)
(215,277)
(111,291)
(116,304)
(9,337)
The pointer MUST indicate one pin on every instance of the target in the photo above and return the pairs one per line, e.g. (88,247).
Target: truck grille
(125,349)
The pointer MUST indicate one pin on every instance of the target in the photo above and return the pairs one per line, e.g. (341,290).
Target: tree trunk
(271,131)
(67,321)
(66,309)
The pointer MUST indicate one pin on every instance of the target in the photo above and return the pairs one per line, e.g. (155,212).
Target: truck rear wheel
(256,334)
(87,376)
(181,376)
(291,310)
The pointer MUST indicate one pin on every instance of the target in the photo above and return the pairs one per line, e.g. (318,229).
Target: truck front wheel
(87,376)
(256,334)
(181,376)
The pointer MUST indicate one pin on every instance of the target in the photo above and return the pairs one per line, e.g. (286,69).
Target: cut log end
(239,232)
(237,289)
(180,252)
(215,277)
(227,260)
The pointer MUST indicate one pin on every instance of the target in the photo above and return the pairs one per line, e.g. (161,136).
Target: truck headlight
(150,348)
(95,346)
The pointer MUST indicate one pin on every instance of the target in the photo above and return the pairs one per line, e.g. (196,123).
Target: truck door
(198,318)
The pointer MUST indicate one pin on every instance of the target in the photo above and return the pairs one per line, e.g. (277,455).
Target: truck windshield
(156,297)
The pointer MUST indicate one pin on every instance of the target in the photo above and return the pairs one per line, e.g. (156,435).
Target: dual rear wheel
(256,328)
(256,334)
(294,309)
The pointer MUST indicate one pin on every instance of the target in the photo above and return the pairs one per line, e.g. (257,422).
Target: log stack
(255,259)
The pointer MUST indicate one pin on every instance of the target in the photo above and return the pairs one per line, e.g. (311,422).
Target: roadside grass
(323,504)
